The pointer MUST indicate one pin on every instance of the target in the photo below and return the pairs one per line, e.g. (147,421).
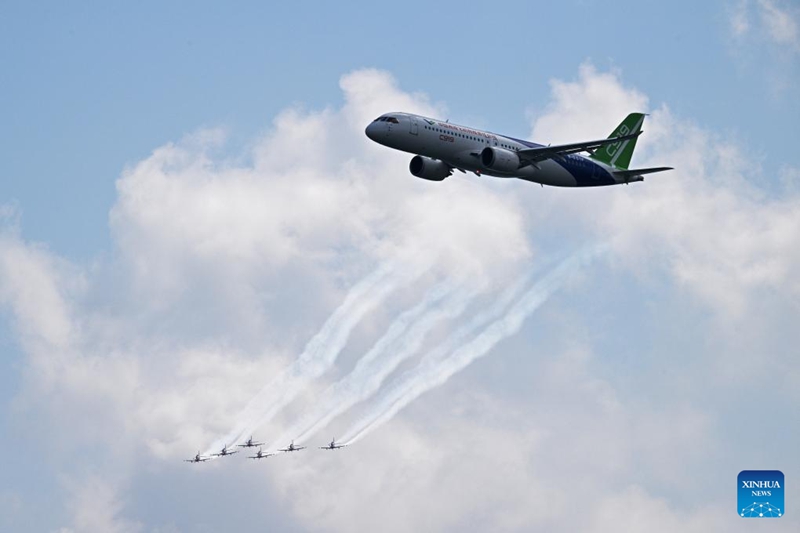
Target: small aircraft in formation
(261,455)
(250,443)
(225,451)
(332,446)
(293,448)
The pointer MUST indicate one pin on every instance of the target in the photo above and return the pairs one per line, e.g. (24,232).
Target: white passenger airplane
(441,147)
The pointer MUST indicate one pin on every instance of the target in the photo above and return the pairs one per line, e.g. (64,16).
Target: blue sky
(187,195)
(90,88)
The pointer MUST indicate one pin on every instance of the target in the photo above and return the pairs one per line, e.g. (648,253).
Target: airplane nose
(371,130)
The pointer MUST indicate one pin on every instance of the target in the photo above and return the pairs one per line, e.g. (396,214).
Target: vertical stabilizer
(619,154)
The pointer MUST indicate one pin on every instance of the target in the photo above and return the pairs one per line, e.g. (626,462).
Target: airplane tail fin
(619,154)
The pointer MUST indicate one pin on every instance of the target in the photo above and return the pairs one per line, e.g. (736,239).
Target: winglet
(619,154)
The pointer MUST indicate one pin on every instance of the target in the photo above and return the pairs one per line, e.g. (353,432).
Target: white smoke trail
(438,366)
(401,341)
(319,354)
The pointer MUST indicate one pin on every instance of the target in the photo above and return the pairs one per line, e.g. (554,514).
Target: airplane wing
(542,153)
(632,173)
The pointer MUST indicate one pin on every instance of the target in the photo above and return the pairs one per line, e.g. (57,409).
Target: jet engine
(428,169)
(500,159)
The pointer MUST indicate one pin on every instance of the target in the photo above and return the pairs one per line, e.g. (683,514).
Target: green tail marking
(619,154)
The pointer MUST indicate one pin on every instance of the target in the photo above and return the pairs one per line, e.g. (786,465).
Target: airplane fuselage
(460,147)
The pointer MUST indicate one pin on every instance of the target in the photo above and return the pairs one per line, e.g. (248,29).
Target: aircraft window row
(470,137)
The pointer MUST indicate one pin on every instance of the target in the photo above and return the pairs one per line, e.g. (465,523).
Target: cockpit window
(392,120)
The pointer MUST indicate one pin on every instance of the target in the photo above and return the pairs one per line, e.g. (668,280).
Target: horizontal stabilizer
(632,173)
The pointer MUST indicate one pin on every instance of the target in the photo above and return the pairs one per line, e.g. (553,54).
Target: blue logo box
(760,494)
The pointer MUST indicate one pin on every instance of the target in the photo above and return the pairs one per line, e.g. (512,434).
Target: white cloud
(223,270)
(587,108)
(781,23)
(715,233)
(557,459)
(738,19)
(772,21)
(633,509)
(790,179)
(95,507)
(118,357)
(30,284)
(316,189)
